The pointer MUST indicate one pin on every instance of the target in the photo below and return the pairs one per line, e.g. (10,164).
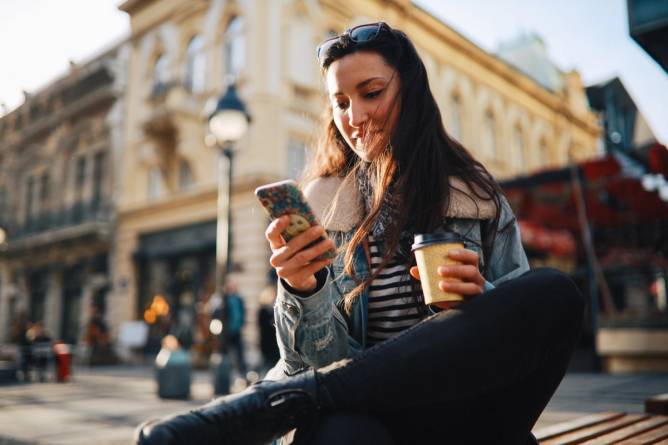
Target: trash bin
(173,371)
(63,357)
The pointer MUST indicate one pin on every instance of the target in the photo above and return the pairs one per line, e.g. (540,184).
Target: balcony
(82,220)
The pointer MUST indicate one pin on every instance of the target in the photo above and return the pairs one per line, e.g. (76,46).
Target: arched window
(186,179)
(489,136)
(160,71)
(234,47)
(296,158)
(154,183)
(543,157)
(522,162)
(195,65)
(455,117)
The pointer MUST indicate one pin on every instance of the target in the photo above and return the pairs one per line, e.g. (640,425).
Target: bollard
(63,356)
(173,373)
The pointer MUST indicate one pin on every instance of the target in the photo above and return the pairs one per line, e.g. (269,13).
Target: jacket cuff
(317,300)
(320,276)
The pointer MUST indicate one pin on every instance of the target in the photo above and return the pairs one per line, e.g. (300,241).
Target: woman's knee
(559,293)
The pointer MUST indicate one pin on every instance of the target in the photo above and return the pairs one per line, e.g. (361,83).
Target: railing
(77,214)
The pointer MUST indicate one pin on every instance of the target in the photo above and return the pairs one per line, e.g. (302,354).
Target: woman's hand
(472,282)
(294,264)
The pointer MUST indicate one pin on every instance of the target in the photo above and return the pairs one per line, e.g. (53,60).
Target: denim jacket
(315,331)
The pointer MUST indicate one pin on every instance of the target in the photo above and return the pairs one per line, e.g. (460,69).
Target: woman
(365,360)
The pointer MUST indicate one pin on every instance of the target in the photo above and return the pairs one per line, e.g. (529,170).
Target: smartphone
(285,198)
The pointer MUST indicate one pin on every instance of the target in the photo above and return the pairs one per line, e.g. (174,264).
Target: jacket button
(292,310)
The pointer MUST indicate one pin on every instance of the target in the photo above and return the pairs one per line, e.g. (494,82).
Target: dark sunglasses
(358,34)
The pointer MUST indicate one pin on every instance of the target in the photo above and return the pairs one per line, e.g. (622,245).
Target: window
(234,47)
(186,179)
(300,43)
(44,191)
(195,65)
(296,158)
(543,156)
(3,206)
(522,163)
(456,118)
(489,136)
(98,177)
(160,71)
(80,178)
(154,183)
(30,191)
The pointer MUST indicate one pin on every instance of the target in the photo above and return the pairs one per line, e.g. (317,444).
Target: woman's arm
(508,259)
(310,329)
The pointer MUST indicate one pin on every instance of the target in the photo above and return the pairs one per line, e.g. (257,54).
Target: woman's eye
(373,94)
(341,105)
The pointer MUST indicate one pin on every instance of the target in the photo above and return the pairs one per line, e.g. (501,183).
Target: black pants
(481,373)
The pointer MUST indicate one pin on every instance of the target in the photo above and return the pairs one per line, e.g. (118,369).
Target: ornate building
(57,163)
(181,55)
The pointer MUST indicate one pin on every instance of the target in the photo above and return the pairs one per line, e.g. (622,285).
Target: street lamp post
(228,123)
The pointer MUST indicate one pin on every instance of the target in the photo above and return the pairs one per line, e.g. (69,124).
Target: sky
(38,38)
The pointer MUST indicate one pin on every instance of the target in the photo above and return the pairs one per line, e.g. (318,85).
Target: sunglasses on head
(358,34)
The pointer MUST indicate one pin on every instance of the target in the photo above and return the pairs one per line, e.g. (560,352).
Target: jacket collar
(338,205)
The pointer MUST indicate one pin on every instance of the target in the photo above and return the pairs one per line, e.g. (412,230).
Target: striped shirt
(391,306)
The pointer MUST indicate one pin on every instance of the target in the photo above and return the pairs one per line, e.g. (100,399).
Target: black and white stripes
(391,306)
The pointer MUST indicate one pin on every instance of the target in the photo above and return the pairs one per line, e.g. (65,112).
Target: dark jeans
(235,348)
(481,373)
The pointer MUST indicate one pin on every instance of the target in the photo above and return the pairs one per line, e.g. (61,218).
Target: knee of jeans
(561,293)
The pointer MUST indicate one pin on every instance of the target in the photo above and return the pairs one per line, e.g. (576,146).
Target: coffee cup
(431,250)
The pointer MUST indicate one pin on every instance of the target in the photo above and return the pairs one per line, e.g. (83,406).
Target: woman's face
(363,91)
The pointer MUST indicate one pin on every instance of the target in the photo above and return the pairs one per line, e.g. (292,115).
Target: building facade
(181,54)
(57,163)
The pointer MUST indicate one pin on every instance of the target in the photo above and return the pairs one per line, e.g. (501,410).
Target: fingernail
(443,269)
(454,251)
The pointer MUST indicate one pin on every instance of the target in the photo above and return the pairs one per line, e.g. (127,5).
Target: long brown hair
(418,162)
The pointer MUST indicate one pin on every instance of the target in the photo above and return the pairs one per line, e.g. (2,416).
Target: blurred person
(479,371)
(41,349)
(97,339)
(231,310)
(19,333)
(265,322)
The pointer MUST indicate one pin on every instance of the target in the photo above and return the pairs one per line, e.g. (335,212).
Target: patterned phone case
(285,198)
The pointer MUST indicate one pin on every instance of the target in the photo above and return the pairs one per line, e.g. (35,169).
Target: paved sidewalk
(103,405)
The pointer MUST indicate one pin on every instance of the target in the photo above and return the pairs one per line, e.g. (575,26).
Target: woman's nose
(357,115)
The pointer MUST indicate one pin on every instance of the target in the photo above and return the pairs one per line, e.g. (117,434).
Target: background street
(103,405)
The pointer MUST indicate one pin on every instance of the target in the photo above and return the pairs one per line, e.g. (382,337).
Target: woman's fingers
(305,272)
(273,232)
(464,272)
(297,262)
(460,287)
(464,256)
(296,248)
(465,278)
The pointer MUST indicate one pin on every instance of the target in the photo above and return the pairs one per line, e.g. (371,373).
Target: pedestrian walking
(234,321)
(363,359)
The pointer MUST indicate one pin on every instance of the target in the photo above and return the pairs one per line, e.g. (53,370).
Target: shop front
(176,277)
